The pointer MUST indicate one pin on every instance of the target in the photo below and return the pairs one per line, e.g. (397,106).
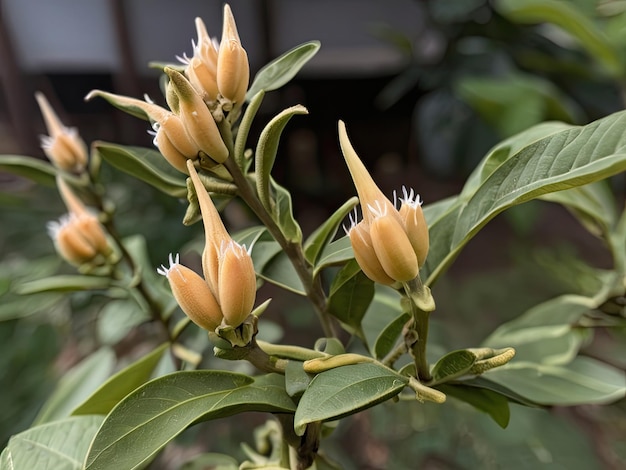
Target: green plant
(371,286)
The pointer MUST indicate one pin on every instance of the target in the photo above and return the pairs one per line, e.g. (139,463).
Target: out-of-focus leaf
(154,414)
(568,17)
(117,318)
(582,381)
(64,283)
(344,391)
(121,384)
(32,168)
(492,403)
(145,164)
(77,384)
(59,445)
(211,461)
(282,69)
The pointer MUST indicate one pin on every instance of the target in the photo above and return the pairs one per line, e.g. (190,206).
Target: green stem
(421,304)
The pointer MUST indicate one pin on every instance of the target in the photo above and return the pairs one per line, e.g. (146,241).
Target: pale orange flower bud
(227,266)
(192,294)
(63,146)
(389,241)
(233,69)
(197,118)
(79,239)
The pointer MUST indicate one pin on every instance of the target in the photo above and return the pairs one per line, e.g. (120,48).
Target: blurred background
(425,88)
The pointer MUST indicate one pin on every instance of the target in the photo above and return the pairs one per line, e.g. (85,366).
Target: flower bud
(237,283)
(393,248)
(233,69)
(192,294)
(79,239)
(196,118)
(365,254)
(63,146)
(414,223)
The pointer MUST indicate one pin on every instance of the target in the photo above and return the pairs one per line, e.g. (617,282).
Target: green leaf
(296,380)
(64,283)
(488,401)
(121,384)
(154,414)
(145,164)
(350,296)
(40,171)
(266,150)
(211,461)
(335,253)
(59,445)
(77,384)
(453,365)
(562,160)
(583,381)
(117,318)
(383,311)
(566,16)
(346,390)
(279,271)
(323,235)
(282,69)
(388,337)
(283,214)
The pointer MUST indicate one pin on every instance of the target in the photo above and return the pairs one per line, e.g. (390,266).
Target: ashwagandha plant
(372,285)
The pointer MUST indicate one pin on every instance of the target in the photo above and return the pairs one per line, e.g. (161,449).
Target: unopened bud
(233,69)
(415,225)
(365,254)
(79,239)
(237,283)
(192,294)
(393,249)
(197,118)
(63,146)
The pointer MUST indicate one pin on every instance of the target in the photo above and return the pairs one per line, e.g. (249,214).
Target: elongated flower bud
(414,223)
(197,118)
(237,283)
(233,69)
(393,249)
(365,255)
(63,146)
(80,239)
(192,294)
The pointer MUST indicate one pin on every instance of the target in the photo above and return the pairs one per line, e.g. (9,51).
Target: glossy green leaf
(77,384)
(296,380)
(453,365)
(145,164)
(154,414)
(559,161)
(59,445)
(282,69)
(323,235)
(64,283)
(121,384)
(488,401)
(344,391)
(388,337)
(283,214)
(567,16)
(266,150)
(39,171)
(583,381)
(384,309)
(350,296)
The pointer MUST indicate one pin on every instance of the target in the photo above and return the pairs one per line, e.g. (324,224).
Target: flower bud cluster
(78,235)
(63,146)
(220,72)
(227,293)
(389,244)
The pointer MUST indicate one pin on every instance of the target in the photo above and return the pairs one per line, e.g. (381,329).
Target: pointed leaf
(59,445)
(337,252)
(267,148)
(323,235)
(562,160)
(383,311)
(346,390)
(282,69)
(283,214)
(453,365)
(350,295)
(154,414)
(145,164)
(77,384)
(488,401)
(388,337)
(583,381)
(40,171)
(280,271)
(121,384)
